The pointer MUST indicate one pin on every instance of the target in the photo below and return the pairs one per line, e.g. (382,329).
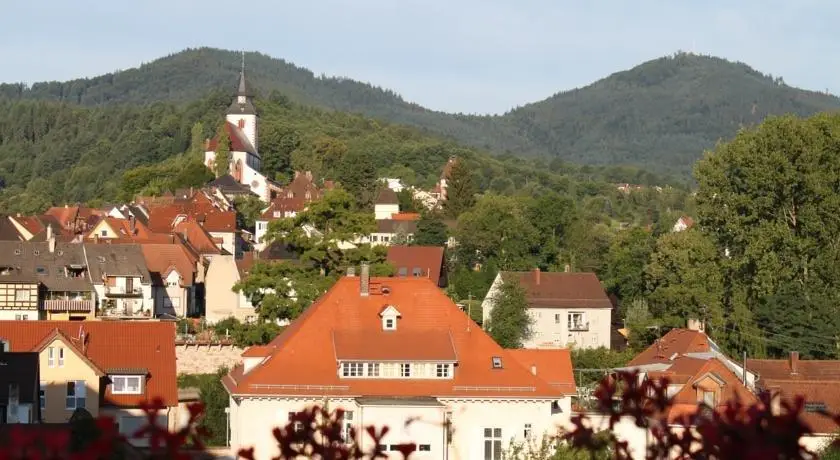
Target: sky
(469,56)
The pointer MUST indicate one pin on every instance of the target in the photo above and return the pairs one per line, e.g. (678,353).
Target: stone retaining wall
(206,358)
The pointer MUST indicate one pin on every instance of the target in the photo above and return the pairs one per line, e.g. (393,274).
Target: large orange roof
(111,346)
(679,341)
(552,365)
(298,367)
(161,259)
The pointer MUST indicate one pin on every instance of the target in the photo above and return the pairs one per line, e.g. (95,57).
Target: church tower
(242,112)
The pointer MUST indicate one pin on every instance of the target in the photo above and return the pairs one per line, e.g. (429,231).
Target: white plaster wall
(31,315)
(250,129)
(625,430)
(547,333)
(253,419)
(470,418)
(228,240)
(260,230)
(220,300)
(384,211)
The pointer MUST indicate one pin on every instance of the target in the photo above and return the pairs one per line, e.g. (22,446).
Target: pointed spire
(243,87)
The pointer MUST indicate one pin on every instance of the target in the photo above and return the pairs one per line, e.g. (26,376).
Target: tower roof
(242,102)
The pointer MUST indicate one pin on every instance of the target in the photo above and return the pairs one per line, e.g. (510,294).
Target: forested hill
(659,115)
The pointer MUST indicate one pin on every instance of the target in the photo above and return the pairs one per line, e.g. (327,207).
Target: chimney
(534,369)
(694,324)
(132,224)
(537,276)
(351,271)
(794,362)
(567,268)
(50,238)
(364,281)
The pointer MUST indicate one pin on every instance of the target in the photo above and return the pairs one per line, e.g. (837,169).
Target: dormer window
(497,362)
(389,315)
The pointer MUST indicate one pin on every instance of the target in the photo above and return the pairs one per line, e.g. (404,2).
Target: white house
(683,223)
(387,204)
(566,309)
(121,280)
(221,301)
(398,352)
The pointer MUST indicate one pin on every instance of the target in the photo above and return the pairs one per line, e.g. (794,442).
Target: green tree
(196,149)
(624,264)
(248,210)
(597,358)
(357,174)
(685,279)
(431,231)
(281,290)
(497,229)
(317,233)
(643,327)
(407,201)
(509,323)
(215,399)
(222,161)
(460,189)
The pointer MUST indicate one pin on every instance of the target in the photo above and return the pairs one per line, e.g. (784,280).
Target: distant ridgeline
(660,115)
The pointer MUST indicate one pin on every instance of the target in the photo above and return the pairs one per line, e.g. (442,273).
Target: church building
(241,125)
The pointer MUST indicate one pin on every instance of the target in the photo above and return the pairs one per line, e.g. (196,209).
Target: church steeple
(242,104)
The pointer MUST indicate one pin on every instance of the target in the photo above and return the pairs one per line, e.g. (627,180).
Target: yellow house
(111,368)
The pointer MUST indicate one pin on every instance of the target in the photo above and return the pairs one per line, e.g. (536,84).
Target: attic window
(389,324)
(101,259)
(41,270)
(36,252)
(497,362)
(17,252)
(815,406)
(389,318)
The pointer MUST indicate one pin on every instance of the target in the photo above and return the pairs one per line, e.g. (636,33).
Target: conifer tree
(460,189)
(222,162)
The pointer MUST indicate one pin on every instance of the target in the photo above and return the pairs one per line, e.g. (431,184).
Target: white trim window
(373,370)
(76,392)
(127,384)
(493,444)
(347,427)
(442,371)
(42,396)
(405,370)
(51,357)
(60,356)
(352,369)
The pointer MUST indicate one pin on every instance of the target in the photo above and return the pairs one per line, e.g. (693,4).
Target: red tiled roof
(161,259)
(405,216)
(162,218)
(238,141)
(258,351)
(429,259)
(567,290)
(678,341)
(814,392)
(806,369)
(146,345)
(554,366)
(197,237)
(702,371)
(394,346)
(387,196)
(299,368)
(31,223)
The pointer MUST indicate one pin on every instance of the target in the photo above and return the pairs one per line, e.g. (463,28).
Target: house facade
(400,351)
(19,384)
(176,272)
(221,301)
(566,309)
(289,200)
(121,280)
(78,368)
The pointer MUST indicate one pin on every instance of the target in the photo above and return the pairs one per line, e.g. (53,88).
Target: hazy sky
(455,55)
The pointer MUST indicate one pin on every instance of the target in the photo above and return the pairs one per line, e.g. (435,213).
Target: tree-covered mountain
(659,115)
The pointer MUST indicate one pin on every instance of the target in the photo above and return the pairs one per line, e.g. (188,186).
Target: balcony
(70,306)
(578,327)
(122,291)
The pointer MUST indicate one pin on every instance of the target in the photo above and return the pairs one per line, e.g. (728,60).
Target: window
(417,272)
(815,406)
(555,408)
(395,447)
(42,395)
(4,344)
(708,398)
(373,370)
(424,448)
(403,271)
(405,370)
(298,425)
(60,356)
(492,444)
(497,362)
(103,233)
(278,213)
(126,384)
(51,357)
(577,322)
(442,370)
(389,324)
(352,369)
(527,431)
(22,295)
(21,317)
(557,319)
(75,395)
(347,426)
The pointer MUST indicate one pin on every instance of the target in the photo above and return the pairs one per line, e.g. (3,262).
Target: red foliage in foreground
(738,431)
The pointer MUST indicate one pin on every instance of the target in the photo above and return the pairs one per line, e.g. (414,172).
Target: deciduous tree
(509,322)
